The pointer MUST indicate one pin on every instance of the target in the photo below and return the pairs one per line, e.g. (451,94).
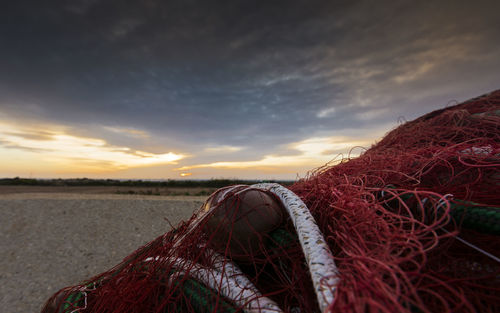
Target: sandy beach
(50,240)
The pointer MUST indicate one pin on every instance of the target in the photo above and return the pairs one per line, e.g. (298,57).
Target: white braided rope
(234,285)
(227,279)
(229,269)
(319,258)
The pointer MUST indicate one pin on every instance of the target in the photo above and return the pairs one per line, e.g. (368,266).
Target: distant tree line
(210,183)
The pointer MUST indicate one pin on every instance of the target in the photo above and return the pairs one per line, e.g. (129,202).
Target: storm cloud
(247,78)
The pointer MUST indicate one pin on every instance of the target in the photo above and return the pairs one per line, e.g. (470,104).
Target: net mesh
(390,218)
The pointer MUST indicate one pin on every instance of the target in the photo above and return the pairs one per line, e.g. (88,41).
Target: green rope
(68,302)
(482,218)
(203,299)
(487,113)
(281,238)
(72,302)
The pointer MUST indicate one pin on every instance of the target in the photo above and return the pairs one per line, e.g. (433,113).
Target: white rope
(227,279)
(319,258)
(228,268)
(233,284)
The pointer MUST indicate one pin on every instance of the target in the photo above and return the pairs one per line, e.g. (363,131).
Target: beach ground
(53,238)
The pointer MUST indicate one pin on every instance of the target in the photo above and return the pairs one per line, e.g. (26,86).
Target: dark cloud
(243,73)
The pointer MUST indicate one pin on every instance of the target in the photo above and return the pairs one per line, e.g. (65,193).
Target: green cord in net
(472,215)
(281,238)
(203,299)
(482,218)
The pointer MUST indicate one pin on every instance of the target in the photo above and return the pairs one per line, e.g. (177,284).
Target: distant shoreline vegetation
(210,183)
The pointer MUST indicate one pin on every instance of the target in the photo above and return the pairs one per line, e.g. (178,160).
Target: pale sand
(51,240)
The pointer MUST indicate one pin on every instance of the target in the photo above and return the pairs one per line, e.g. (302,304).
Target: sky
(159,89)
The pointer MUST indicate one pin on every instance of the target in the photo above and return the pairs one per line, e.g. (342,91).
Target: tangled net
(408,224)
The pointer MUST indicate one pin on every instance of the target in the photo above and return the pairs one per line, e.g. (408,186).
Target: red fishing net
(409,224)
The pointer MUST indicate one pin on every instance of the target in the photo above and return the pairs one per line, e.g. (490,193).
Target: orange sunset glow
(48,150)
